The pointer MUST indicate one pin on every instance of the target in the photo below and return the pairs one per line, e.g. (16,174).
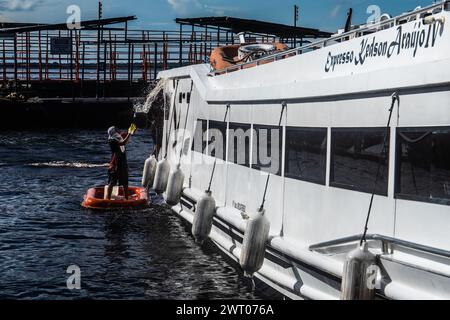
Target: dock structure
(105,59)
(100,54)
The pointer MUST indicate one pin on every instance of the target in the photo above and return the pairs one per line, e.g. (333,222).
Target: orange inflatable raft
(95,199)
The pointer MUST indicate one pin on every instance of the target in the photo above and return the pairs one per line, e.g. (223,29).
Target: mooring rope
(185,122)
(284,105)
(170,125)
(404,137)
(395,98)
(215,160)
(212,175)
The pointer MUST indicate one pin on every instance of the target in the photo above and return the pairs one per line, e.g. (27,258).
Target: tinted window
(306,154)
(217,136)
(200,142)
(423,164)
(355,156)
(267,145)
(239,143)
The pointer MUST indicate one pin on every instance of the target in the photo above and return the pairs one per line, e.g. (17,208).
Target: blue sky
(159,14)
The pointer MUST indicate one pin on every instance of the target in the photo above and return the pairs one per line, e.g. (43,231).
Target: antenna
(295,15)
(100,10)
(295,22)
(348,23)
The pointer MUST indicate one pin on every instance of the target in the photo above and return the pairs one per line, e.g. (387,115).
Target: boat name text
(421,37)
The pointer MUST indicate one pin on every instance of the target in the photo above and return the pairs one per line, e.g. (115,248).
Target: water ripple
(63,164)
(147,254)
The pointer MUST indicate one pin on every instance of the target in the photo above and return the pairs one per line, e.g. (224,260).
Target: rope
(156,151)
(284,105)
(185,122)
(170,125)
(212,175)
(215,161)
(265,193)
(395,98)
(404,137)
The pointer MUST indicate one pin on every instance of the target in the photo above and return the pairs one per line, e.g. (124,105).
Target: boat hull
(327,127)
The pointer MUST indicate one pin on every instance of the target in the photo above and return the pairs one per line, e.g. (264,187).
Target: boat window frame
(254,163)
(203,142)
(228,141)
(305,179)
(224,136)
(397,174)
(368,190)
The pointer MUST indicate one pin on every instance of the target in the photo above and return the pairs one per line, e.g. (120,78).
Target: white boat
(326,105)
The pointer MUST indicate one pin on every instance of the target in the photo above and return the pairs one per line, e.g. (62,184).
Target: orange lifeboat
(228,56)
(95,199)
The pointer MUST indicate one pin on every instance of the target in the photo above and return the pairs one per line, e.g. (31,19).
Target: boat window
(306,154)
(239,143)
(423,164)
(356,154)
(200,142)
(267,145)
(217,136)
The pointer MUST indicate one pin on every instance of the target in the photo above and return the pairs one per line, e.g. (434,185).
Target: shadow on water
(145,254)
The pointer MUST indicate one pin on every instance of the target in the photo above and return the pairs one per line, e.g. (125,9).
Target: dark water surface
(130,255)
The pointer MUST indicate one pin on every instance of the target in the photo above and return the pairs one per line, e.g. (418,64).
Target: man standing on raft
(118,167)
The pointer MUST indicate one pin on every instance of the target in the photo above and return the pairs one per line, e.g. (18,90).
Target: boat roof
(238,25)
(6,27)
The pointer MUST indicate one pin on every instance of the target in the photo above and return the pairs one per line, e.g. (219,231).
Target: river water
(128,255)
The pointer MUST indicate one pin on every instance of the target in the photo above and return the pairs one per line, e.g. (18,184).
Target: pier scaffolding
(97,59)
(105,63)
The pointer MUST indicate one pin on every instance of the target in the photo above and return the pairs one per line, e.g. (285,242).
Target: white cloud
(190,7)
(18,5)
(335,11)
(159,24)
(184,6)
(221,10)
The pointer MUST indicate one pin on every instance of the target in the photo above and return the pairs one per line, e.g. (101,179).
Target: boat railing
(356,33)
(387,244)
